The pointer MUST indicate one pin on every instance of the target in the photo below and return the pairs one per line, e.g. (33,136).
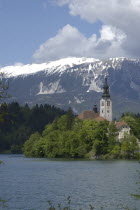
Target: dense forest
(70,137)
(17,123)
(47,131)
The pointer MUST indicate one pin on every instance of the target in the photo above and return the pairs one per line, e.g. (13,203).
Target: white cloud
(70,42)
(104,10)
(121,14)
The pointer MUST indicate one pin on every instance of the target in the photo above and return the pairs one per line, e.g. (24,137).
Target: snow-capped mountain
(77,82)
(51,67)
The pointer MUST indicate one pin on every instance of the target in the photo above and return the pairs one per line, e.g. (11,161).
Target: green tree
(28,147)
(100,145)
(112,134)
(62,123)
(39,148)
(86,138)
(52,144)
(3,86)
(115,152)
(70,119)
(17,122)
(132,123)
(129,147)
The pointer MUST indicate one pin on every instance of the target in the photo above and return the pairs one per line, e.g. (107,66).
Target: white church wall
(106,109)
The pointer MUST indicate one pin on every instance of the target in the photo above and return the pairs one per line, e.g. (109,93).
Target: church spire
(105,89)
(106,103)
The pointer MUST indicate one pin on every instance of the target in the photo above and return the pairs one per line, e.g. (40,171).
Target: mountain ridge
(22,69)
(77,82)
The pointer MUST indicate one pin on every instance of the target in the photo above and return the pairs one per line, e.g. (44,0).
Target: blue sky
(44,30)
(25,24)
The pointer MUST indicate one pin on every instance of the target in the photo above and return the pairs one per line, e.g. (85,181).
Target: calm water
(28,183)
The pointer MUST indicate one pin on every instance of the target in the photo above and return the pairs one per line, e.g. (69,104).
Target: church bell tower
(106,103)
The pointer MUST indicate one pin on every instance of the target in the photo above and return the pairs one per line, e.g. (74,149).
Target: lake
(28,183)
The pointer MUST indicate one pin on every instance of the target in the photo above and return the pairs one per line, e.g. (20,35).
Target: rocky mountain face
(77,83)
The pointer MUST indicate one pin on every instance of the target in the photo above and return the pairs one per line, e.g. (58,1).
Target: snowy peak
(50,67)
(71,61)
(60,66)
(18,70)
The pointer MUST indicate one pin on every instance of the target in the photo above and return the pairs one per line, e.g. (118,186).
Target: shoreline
(69,159)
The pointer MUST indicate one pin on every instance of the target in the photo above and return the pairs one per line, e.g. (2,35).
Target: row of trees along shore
(69,137)
(17,123)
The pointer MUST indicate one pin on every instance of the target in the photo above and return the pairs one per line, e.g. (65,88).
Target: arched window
(108,103)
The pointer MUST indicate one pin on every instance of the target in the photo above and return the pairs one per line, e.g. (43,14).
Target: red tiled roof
(85,115)
(120,124)
(99,119)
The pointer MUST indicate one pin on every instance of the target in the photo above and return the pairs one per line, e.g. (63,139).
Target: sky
(37,31)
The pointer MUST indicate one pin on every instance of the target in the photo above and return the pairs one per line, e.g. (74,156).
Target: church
(105,113)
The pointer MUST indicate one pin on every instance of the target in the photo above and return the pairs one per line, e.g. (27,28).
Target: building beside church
(123,129)
(105,113)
